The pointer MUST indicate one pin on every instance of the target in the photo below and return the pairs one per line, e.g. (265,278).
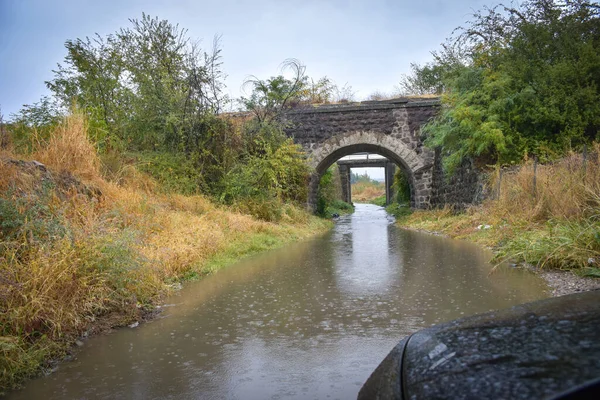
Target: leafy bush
(401,186)
(174,172)
(329,195)
(518,82)
(327,186)
(264,181)
(329,191)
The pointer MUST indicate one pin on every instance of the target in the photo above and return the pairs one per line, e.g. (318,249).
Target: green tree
(90,79)
(270,97)
(148,86)
(40,117)
(527,83)
(320,92)
(423,79)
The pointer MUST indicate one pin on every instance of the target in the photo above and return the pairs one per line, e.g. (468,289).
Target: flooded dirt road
(310,321)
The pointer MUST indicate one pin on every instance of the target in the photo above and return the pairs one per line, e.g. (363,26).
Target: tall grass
(68,149)
(364,192)
(79,251)
(554,222)
(568,189)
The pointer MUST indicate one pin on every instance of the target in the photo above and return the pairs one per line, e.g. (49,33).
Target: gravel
(566,282)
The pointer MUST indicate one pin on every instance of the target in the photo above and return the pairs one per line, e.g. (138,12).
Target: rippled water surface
(311,320)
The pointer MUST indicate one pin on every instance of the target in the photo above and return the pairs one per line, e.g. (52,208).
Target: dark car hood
(534,350)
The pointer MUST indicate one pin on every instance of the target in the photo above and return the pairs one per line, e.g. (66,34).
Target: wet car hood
(534,350)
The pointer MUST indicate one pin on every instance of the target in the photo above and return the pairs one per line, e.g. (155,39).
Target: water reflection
(309,321)
(364,261)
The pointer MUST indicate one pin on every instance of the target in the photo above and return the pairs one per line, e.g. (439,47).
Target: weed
(69,148)
(379,201)
(338,207)
(562,244)
(553,223)
(399,210)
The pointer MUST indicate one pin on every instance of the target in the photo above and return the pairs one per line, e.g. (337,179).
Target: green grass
(338,207)
(20,360)
(555,243)
(399,210)
(243,248)
(379,201)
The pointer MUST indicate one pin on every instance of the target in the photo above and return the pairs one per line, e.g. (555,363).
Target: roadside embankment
(80,254)
(542,217)
(560,281)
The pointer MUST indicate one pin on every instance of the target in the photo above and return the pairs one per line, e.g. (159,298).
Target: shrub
(174,172)
(401,186)
(264,182)
(329,192)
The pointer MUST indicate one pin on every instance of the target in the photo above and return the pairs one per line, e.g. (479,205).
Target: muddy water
(310,321)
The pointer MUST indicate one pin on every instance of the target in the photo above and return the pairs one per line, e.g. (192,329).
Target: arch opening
(389,163)
(334,156)
(369,183)
(418,168)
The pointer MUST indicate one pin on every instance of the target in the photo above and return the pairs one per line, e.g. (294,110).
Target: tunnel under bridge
(345,166)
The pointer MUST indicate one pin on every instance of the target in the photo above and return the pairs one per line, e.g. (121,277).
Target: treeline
(154,98)
(365,178)
(516,83)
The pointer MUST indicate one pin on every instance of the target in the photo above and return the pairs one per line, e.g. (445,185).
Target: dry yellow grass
(363,192)
(554,223)
(70,256)
(68,149)
(565,189)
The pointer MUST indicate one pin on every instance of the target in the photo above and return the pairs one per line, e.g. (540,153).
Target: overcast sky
(367,44)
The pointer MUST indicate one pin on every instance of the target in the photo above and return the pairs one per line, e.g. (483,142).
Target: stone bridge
(391,128)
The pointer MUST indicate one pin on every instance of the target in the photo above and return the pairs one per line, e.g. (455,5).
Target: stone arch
(418,170)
